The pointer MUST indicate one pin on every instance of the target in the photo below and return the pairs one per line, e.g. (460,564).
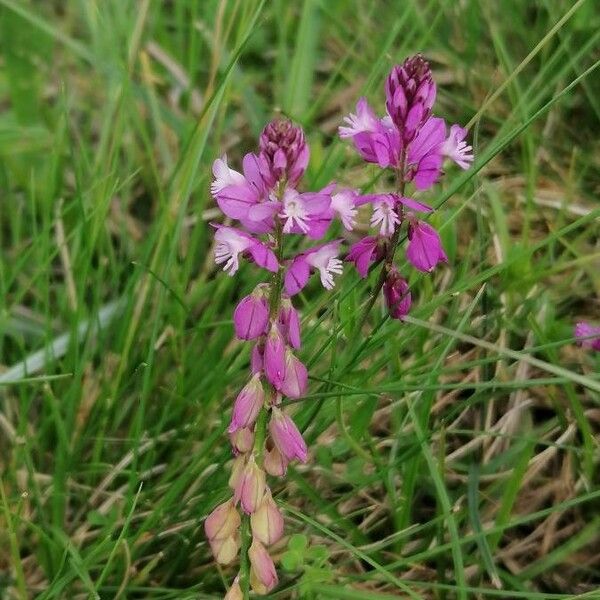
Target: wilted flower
(275,463)
(225,550)
(263,576)
(222,522)
(242,440)
(235,591)
(267,521)
(250,488)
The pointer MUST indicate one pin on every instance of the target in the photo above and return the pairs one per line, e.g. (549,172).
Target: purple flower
(295,381)
(232,242)
(224,176)
(285,150)
(425,156)
(397,295)
(286,437)
(584,330)
(410,94)
(256,359)
(247,405)
(385,215)
(363,253)
(364,121)
(457,149)
(274,357)
(424,250)
(246,197)
(289,322)
(344,204)
(322,258)
(251,315)
(303,213)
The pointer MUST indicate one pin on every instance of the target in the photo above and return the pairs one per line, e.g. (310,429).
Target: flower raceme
(267,204)
(266,201)
(413,143)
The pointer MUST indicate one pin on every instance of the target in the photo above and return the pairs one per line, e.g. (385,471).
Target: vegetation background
(453,456)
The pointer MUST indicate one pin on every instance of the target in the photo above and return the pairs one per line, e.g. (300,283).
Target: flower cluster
(414,144)
(264,199)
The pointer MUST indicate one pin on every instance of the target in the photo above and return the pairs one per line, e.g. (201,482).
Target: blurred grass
(453,456)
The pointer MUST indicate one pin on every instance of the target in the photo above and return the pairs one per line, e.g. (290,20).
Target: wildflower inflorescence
(413,143)
(266,202)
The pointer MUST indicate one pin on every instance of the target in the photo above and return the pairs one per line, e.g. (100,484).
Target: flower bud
(274,463)
(251,315)
(410,92)
(235,591)
(250,488)
(397,295)
(295,381)
(274,357)
(247,405)
(286,436)
(267,521)
(242,440)
(256,358)
(263,577)
(226,550)
(284,147)
(222,522)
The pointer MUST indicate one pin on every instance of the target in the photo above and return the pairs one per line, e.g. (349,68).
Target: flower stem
(388,260)
(260,429)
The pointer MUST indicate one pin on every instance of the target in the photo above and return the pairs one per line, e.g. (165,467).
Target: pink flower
(425,156)
(410,94)
(321,258)
(397,295)
(363,253)
(457,149)
(222,522)
(424,247)
(363,121)
(247,405)
(274,357)
(302,213)
(385,215)
(250,487)
(285,150)
(286,437)
(232,242)
(251,315)
(344,204)
(267,521)
(588,335)
(263,577)
(295,381)
(224,176)
(289,322)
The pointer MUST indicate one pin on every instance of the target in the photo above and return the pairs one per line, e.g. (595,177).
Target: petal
(296,277)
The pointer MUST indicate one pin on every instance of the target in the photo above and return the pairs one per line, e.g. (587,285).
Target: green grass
(452,456)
